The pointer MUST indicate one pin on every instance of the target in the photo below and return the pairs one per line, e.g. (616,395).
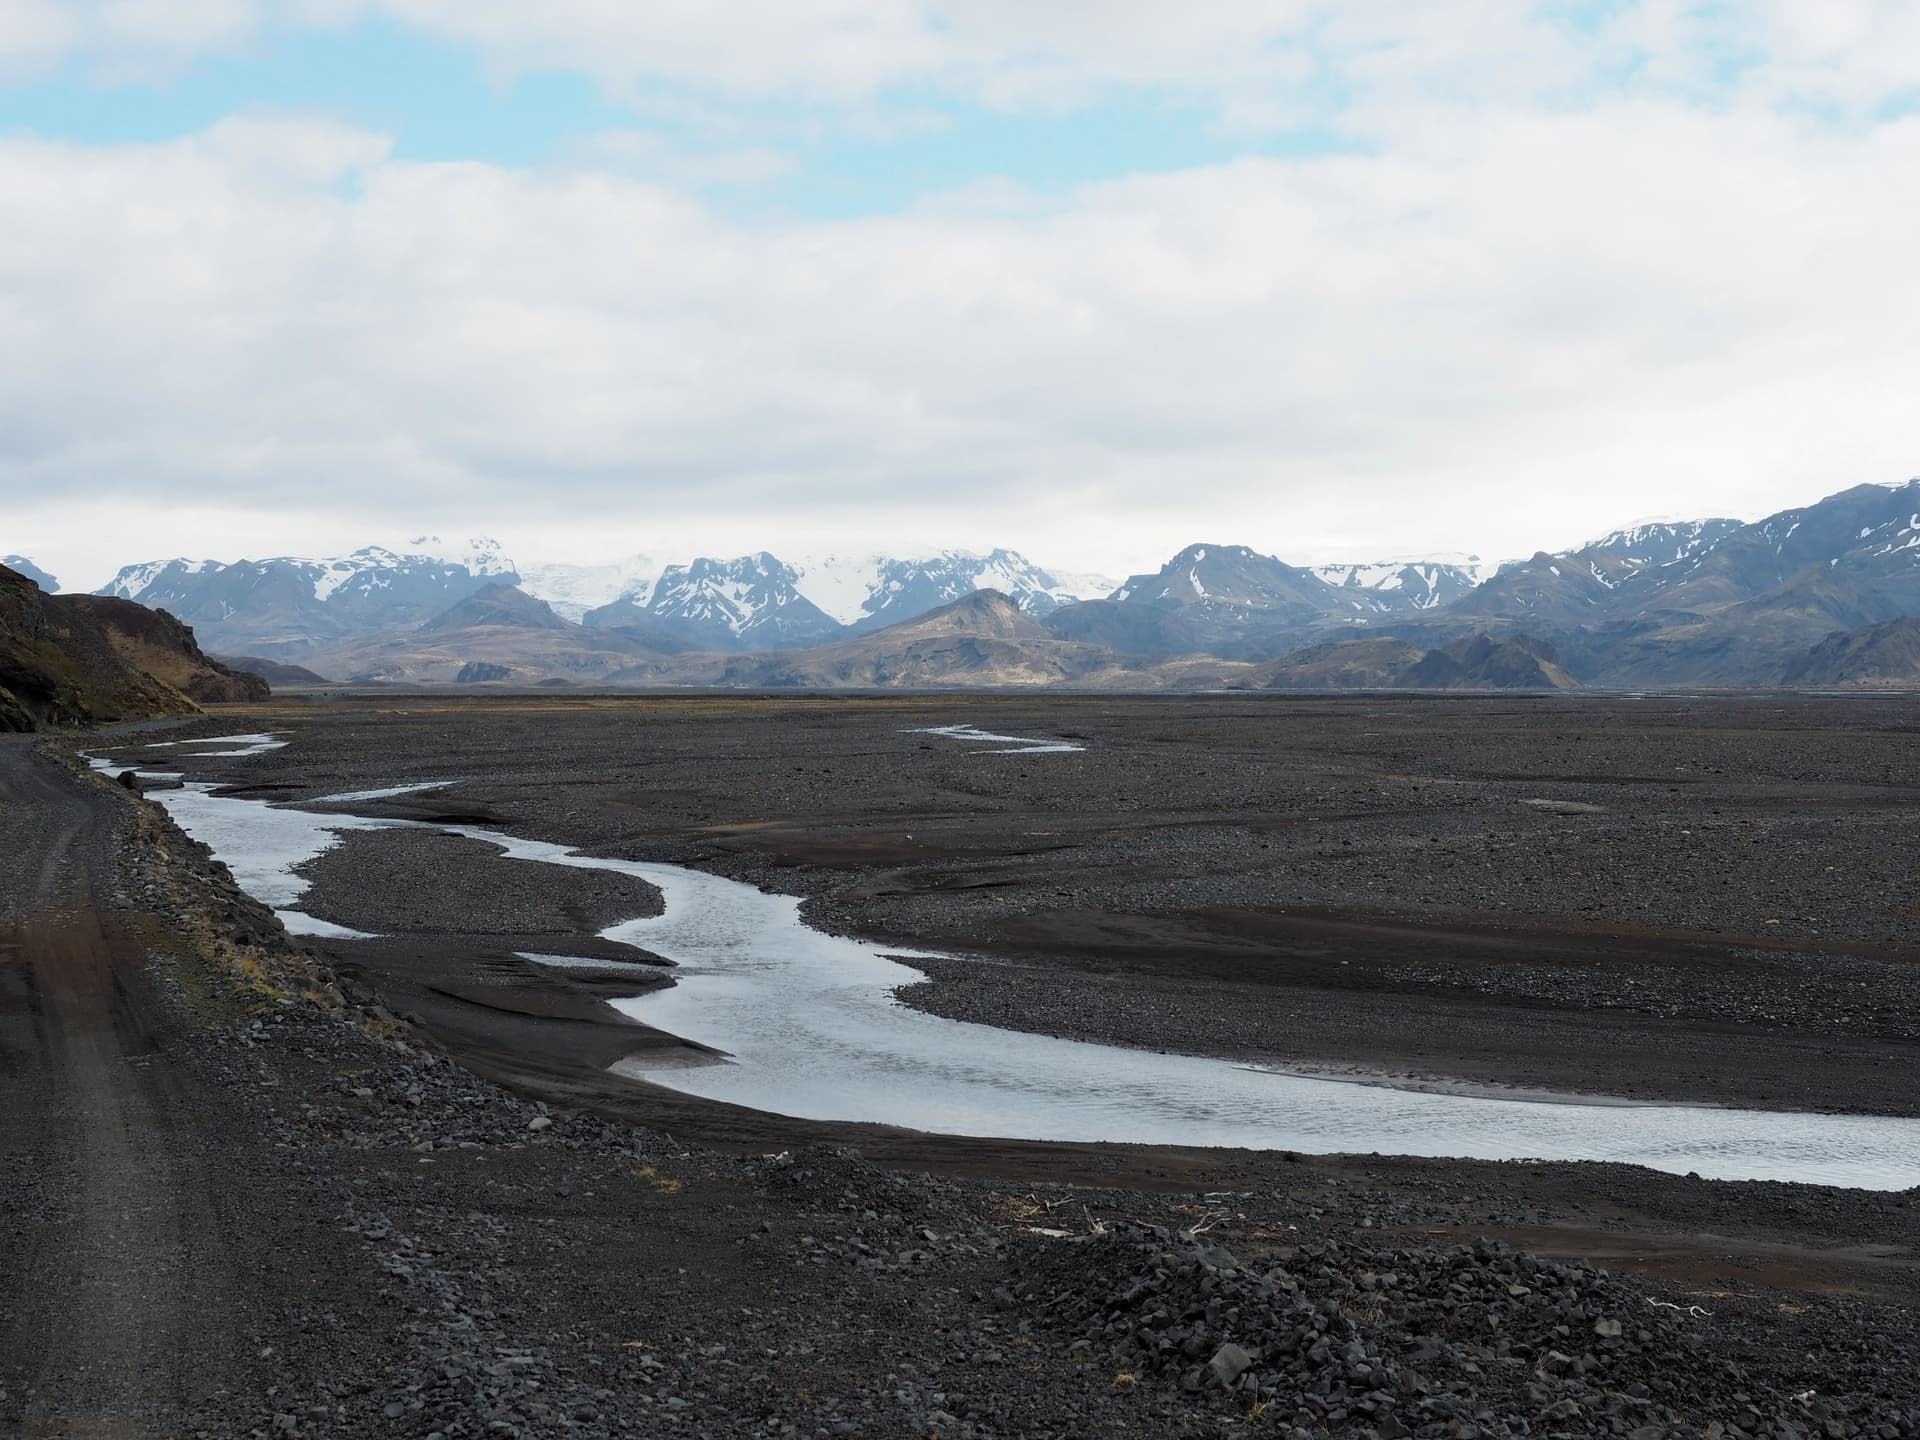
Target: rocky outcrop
(156,643)
(1373,663)
(981,639)
(1875,655)
(274,672)
(59,667)
(1482,662)
(32,571)
(479,672)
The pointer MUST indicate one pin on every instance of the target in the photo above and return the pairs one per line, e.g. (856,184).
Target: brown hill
(1481,662)
(60,666)
(1369,664)
(499,633)
(274,672)
(980,639)
(154,642)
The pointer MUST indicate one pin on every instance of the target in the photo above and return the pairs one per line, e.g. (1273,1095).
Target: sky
(1093,279)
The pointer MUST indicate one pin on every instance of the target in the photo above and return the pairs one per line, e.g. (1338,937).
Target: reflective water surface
(812,1029)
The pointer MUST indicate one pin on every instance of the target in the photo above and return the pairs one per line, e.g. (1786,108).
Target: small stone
(1229,1363)
(539,1123)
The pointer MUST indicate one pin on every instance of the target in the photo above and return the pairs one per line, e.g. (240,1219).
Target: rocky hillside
(983,639)
(1385,662)
(61,665)
(1482,662)
(496,605)
(750,603)
(274,672)
(1399,587)
(766,594)
(155,643)
(1375,663)
(1877,655)
(290,608)
(22,565)
(900,589)
(499,633)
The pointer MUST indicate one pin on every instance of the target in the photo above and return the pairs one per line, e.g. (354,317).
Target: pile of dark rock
(1460,1341)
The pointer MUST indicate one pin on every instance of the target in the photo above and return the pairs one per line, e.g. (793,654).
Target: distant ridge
(499,605)
(1711,601)
(1878,655)
(20,565)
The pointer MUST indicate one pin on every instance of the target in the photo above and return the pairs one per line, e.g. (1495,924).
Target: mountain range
(1713,601)
(291,608)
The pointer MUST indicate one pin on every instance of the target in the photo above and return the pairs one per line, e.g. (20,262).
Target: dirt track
(120,1305)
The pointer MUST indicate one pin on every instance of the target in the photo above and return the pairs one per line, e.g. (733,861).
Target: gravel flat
(466,1227)
(410,882)
(1700,899)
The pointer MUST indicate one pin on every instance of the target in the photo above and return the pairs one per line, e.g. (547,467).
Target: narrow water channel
(812,1029)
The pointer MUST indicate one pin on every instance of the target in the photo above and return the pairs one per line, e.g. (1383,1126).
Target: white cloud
(120,39)
(1256,62)
(649,156)
(1508,329)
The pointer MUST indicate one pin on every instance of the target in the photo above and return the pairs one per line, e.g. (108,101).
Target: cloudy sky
(1092,278)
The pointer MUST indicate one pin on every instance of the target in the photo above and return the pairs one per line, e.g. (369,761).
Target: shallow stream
(812,1029)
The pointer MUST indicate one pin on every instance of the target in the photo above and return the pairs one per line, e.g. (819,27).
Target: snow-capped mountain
(1852,559)
(1398,586)
(870,591)
(762,601)
(283,606)
(21,565)
(1867,536)
(1574,587)
(1660,542)
(749,602)
(1218,598)
(1708,599)
(1233,577)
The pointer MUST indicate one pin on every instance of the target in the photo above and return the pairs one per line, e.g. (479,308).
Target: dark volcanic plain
(1695,899)
(1703,899)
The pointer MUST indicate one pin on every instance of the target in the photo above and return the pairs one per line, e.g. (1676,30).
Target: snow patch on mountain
(1660,542)
(371,564)
(1415,583)
(133,581)
(840,584)
(1078,585)
(573,590)
(477,556)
